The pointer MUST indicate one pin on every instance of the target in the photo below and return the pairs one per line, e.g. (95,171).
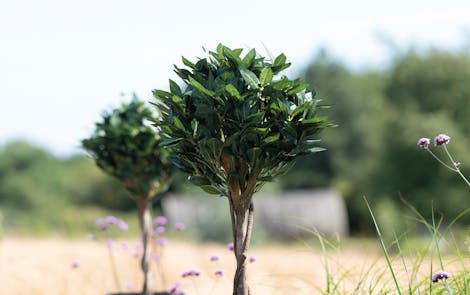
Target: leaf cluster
(235,120)
(126,146)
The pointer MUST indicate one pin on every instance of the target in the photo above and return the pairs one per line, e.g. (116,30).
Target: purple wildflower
(424,142)
(101,224)
(230,246)
(457,165)
(162,241)
(191,273)
(160,221)
(129,286)
(75,264)
(110,243)
(121,224)
(179,226)
(156,258)
(174,290)
(215,257)
(160,230)
(125,246)
(440,275)
(219,272)
(441,139)
(252,259)
(111,219)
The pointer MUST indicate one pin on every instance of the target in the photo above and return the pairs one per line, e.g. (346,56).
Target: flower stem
(440,161)
(448,288)
(456,169)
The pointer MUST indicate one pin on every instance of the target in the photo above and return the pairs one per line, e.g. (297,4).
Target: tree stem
(145,222)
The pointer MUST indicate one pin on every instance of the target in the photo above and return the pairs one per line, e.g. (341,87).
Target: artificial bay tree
(126,146)
(235,125)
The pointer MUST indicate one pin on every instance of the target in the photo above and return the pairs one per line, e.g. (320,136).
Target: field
(46,267)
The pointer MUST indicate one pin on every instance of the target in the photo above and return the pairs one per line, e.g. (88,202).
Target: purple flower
(160,221)
(101,224)
(219,272)
(252,259)
(174,290)
(160,230)
(111,219)
(75,264)
(424,142)
(191,273)
(457,165)
(162,241)
(441,139)
(121,224)
(156,258)
(230,246)
(214,258)
(440,275)
(129,286)
(125,246)
(179,226)
(110,243)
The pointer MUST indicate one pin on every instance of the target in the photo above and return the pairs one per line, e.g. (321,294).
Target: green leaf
(250,78)
(188,63)
(160,93)
(233,91)
(280,60)
(200,87)
(199,180)
(249,58)
(266,76)
(175,89)
(271,139)
(210,190)
(297,88)
(232,56)
(169,141)
(178,124)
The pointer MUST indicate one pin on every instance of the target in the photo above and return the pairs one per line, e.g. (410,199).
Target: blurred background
(393,72)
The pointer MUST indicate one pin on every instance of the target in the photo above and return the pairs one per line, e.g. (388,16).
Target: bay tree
(127,146)
(234,124)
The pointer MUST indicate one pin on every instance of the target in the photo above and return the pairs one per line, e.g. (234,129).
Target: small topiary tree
(233,127)
(127,147)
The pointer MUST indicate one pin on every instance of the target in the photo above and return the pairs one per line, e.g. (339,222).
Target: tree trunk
(243,224)
(145,222)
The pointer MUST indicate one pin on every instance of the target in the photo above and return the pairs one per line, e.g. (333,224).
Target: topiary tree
(127,147)
(233,127)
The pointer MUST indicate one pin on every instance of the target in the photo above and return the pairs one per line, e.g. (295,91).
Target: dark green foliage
(127,147)
(233,111)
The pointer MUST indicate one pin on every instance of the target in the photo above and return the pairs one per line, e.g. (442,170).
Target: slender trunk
(243,219)
(145,222)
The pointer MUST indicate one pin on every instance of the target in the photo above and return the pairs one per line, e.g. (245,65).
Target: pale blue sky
(63,62)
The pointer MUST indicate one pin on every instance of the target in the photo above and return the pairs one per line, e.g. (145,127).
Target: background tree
(233,126)
(126,146)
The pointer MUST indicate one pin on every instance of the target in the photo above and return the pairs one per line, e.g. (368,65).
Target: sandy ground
(46,266)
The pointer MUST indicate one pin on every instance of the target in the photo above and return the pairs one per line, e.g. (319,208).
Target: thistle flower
(441,139)
(423,142)
(440,275)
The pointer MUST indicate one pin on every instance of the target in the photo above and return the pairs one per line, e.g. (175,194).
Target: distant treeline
(380,115)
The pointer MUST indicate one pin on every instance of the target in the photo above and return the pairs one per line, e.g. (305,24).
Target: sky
(62,62)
